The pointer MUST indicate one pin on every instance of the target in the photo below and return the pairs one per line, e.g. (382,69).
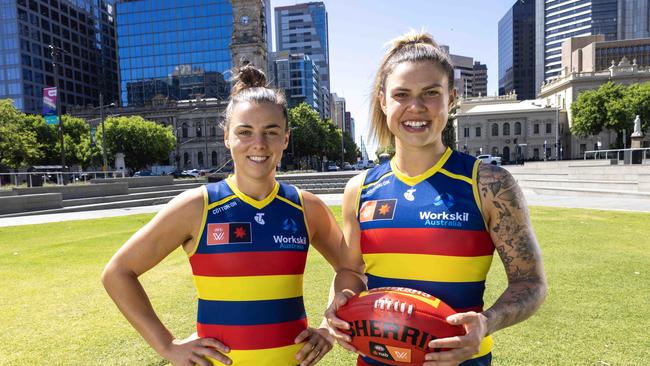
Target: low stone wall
(34,202)
(135,182)
(5,193)
(78,191)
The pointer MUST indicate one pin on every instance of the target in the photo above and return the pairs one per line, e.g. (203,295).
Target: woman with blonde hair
(247,239)
(431,218)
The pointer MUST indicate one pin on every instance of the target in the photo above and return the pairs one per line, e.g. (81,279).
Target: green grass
(53,309)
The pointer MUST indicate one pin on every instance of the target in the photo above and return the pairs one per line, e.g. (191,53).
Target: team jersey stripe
(462,243)
(248,288)
(456,176)
(270,356)
(424,267)
(247,337)
(250,312)
(248,263)
(455,294)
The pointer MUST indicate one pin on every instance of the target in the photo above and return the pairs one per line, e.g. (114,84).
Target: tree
(603,108)
(142,142)
(637,98)
(351,148)
(308,132)
(18,144)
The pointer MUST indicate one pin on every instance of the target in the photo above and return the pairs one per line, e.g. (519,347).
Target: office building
(302,28)
(467,74)
(298,76)
(171,50)
(517,50)
(337,107)
(562,19)
(82,33)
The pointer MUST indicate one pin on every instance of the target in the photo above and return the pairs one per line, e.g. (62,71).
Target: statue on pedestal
(637,127)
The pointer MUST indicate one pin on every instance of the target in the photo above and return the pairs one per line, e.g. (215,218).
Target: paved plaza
(604,203)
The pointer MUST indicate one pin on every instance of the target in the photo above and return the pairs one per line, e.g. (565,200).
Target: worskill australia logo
(444,218)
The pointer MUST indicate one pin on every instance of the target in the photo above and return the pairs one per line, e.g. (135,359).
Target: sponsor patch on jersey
(229,233)
(377,210)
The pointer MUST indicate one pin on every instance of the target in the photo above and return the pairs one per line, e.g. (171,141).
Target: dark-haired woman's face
(416,103)
(256,137)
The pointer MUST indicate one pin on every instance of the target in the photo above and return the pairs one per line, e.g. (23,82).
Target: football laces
(394,305)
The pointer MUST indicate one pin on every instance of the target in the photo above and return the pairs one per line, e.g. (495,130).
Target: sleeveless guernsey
(248,269)
(427,233)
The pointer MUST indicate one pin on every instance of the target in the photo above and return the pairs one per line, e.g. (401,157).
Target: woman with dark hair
(431,218)
(247,239)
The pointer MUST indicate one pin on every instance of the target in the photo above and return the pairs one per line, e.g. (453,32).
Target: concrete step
(99,206)
(586,192)
(121,198)
(575,183)
(171,187)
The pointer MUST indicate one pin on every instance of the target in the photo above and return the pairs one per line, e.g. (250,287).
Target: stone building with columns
(197,125)
(512,129)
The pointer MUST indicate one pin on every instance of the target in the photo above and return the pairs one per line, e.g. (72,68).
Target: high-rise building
(179,50)
(337,107)
(467,73)
(634,19)
(302,28)
(298,75)
(517,50)
(479,83)
(562,19)
(82,34)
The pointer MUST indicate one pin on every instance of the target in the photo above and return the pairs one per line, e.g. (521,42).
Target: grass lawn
(53,309)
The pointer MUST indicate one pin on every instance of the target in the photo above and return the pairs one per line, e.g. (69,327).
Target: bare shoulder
(497,186)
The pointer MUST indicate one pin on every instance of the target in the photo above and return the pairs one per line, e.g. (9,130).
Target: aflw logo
(458,216)
(281,239)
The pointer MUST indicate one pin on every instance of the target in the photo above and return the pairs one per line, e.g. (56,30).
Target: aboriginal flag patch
(229,233)
(377,210)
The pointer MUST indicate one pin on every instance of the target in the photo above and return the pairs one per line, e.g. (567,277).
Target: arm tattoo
(509,226)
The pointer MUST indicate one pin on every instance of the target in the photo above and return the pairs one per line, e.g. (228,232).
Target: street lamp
(101,119)
(54,51)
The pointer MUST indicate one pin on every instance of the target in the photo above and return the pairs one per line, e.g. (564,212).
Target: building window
(186,159)
(184,130)
(466,132)
(506,129)
(200,158)
(536,154)
(198,131)
(495,129)
(478,132)
(583,148)
(215,158)
(548,128)
(536,129)
(517,128)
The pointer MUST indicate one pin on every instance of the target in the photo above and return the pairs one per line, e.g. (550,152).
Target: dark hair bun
(248,77)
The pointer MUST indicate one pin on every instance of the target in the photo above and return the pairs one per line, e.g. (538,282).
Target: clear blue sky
(359,30)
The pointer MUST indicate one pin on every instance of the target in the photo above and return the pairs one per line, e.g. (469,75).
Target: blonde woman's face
(256,137)
(416,103)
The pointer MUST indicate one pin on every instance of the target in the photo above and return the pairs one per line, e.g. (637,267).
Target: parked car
(331,166)
(371,164)
(180,174)
(489,159)
(347,166)
(144,173)
(193,172)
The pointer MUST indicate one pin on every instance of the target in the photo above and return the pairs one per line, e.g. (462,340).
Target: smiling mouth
(416,125)
(257,158)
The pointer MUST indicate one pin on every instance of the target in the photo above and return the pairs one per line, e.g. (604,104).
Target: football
(394,325)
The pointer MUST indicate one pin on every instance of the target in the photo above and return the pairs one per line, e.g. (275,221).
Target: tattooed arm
(505,210)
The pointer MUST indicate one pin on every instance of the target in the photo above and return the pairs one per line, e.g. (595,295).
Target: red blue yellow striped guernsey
(427,233)
(248,270)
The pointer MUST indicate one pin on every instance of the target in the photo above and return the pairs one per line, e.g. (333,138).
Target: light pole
(557,129)
(54,51)
(101,119)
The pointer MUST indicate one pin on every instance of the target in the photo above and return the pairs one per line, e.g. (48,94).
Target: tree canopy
(612,106)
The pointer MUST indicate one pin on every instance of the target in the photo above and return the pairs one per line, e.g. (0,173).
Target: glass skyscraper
(82,32)
(634,19)
(558,20)
(302,28)
(517,51)
(298,75)
(174,49)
